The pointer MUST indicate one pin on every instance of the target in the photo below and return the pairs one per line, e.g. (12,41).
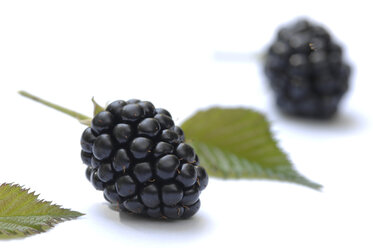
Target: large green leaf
(21,213)
(237,143)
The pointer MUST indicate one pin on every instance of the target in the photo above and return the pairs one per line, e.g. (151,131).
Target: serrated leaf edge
(229,167)
(49,222)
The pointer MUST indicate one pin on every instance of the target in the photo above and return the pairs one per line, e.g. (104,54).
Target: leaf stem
(80,117)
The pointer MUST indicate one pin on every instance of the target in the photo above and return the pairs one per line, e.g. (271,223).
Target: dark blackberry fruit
(149,127)
(88,172)
(192,209)
(150,196)
(137,156)
(96,182)
(103,146)
(122,133)
(187,175)
(88,138)
(173,212)
(167,166)
(186,152)
(143,172)
(102,122)
(163,111)
(86,157)
(111,194)
(306,71)
(162,148)
(132,112)
(141,147)
(116,107)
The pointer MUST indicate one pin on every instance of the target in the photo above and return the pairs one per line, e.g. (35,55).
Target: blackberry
(306,71)
(137,156)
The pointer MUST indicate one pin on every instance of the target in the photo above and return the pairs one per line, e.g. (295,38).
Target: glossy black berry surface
(306,71)
(137,156)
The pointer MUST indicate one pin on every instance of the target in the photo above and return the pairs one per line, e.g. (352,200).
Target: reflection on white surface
(149,230)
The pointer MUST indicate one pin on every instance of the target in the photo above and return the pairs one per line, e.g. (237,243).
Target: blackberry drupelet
(306,71)
(137,157)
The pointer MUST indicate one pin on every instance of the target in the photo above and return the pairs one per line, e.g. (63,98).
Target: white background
(183,56)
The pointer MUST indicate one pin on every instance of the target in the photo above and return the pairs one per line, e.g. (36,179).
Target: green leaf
(97,107)
(22,214)
(237,143)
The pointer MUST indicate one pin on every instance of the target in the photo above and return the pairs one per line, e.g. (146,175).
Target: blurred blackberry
(306,71)
(137,157)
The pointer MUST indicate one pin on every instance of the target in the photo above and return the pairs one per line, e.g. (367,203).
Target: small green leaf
(22,214)
(97,107)
(237,143)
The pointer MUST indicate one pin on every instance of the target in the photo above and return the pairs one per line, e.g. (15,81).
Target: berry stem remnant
(85,120)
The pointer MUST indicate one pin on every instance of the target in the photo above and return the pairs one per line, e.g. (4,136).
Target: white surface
(165,52)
